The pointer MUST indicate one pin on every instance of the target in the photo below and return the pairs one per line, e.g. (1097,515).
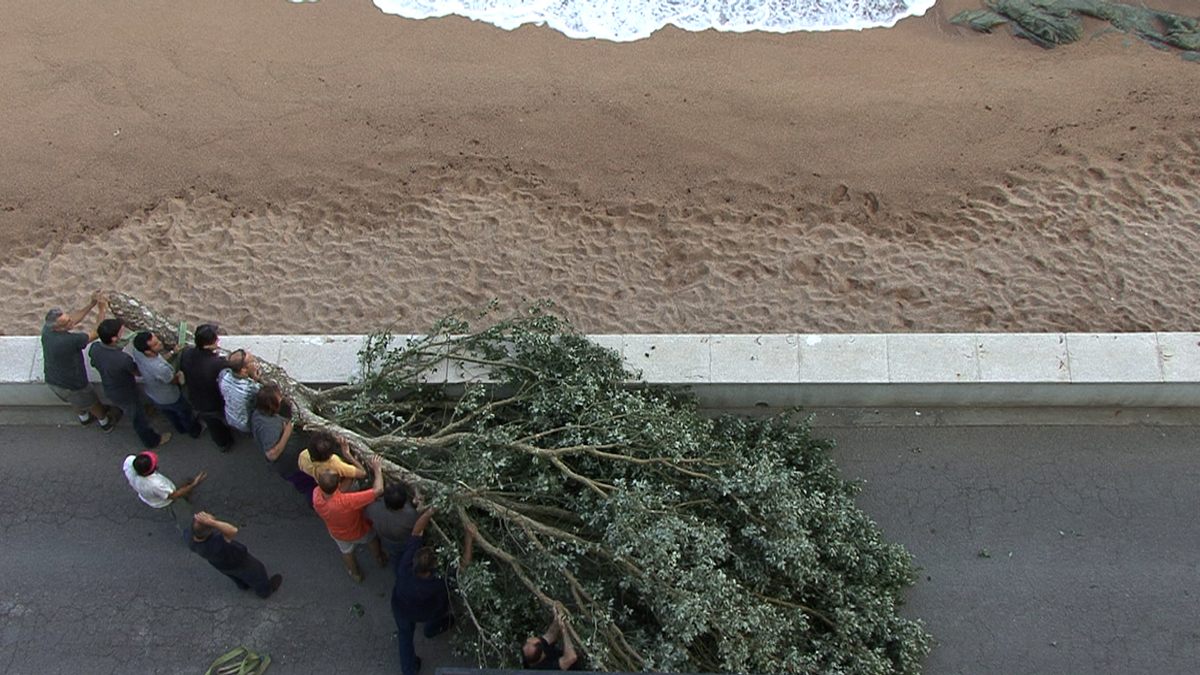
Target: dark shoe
(90,418)
(163,439)
(276,582)
(114,415)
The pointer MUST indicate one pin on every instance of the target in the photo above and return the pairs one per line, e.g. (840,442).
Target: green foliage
(676,543)
(1048,23)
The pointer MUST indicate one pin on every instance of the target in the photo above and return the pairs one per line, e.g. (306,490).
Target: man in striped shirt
(239,385)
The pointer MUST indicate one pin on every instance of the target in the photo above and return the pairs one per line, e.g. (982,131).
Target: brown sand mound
(1078,245)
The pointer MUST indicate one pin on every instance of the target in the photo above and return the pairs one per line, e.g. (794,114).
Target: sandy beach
(326,168)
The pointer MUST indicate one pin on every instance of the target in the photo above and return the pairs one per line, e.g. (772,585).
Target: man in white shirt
(158,491)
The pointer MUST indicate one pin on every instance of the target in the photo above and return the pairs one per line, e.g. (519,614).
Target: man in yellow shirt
(327,452)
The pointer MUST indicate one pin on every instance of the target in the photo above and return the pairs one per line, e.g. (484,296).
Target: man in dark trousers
(419,595)
(118,372)
(212,540)
(200,366)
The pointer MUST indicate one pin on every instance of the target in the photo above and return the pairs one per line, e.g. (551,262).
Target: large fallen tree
(676,542)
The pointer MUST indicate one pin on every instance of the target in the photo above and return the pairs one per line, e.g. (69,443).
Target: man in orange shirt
(343,516)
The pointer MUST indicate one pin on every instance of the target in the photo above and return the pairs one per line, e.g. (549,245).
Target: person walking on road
(159,492)
(212,540)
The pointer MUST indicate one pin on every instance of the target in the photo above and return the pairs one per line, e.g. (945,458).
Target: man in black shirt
(541,653)
(117,370)
(200,366)
(212,540)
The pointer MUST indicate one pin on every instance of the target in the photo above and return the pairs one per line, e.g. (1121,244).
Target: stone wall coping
(962,368)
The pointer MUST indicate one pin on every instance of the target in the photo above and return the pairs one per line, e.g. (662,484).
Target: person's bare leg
(351,564)
(381,558)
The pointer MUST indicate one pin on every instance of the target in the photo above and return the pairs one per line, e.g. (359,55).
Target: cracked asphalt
(1043,549)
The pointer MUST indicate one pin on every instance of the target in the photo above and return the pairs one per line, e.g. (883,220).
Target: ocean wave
(628,20)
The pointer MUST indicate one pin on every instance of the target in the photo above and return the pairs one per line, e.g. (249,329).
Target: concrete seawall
(741,371)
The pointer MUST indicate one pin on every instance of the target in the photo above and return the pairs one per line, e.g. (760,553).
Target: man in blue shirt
(419,595)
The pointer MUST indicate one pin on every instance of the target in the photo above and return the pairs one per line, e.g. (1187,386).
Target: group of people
(227,395)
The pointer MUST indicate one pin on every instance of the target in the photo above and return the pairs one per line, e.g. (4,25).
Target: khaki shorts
(80,398)
(348,546)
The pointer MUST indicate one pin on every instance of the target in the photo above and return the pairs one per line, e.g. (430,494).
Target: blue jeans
(137,415)
(221,434)
(180,415)
(409,663)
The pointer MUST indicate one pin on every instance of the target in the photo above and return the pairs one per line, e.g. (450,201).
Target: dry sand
(325,168)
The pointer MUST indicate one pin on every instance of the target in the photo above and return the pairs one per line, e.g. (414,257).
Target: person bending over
(327,452)
(281,443)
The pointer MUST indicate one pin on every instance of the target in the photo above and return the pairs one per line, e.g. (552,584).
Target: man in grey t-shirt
(161,383)
(393,517)
(66,373)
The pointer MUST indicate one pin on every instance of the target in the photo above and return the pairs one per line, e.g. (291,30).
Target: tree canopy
(676,542)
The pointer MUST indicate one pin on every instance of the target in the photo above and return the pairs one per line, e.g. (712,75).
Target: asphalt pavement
(1054,548)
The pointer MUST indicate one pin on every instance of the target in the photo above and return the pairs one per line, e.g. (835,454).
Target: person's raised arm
(377,467)
(422,521)
(78,314)
(227,530)
(94,333)
(569,657)
(186,490)
(468,545)
(555,629)
(349,457)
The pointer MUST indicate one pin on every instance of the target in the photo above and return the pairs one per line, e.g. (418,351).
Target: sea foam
(628,20)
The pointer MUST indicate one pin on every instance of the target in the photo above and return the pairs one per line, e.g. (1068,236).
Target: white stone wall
(1001,369)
